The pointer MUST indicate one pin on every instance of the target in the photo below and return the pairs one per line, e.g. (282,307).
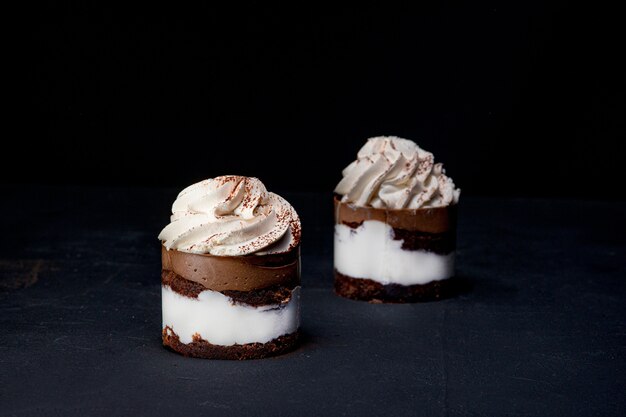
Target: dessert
(230,275)
(395,224)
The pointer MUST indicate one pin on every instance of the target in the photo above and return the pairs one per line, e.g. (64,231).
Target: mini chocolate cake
(231,272)
(395,225)
(416,244)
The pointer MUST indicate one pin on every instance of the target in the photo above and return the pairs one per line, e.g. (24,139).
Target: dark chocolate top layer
(236,273)
(428,220)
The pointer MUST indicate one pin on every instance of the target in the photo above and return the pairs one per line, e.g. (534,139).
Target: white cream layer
(221,322)
(370,251)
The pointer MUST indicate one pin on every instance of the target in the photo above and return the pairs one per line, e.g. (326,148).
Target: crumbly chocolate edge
(200,348)
(439,243)
(374,292)
(276,294)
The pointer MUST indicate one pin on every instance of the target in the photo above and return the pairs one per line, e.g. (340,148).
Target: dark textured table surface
(540,330)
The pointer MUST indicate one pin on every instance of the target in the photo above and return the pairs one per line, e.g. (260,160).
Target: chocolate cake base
(200,348)
(375,292)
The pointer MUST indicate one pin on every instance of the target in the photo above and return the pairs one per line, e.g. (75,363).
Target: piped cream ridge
(395,173)
(231,216)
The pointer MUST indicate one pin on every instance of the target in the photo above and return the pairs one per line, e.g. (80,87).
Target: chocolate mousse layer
(276,294)
(200,348)
(432,220)
(234,273)
(375,292)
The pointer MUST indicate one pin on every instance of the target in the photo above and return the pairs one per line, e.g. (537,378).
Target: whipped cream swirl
(395,173)
(231,216)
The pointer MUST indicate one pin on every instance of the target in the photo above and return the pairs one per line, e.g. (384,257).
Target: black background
(523,98)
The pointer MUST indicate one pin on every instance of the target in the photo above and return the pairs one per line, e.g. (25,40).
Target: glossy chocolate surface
(238,273)
(428,220)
